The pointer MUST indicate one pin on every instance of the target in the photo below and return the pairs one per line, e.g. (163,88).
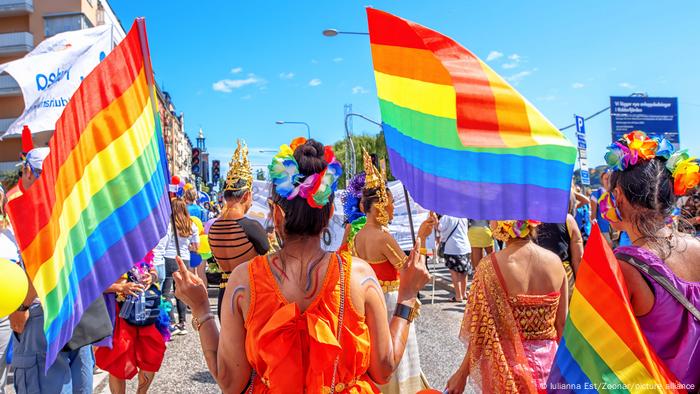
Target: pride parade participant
(374,244)
(233,237)
(304,320)
(660,268)
(514,317)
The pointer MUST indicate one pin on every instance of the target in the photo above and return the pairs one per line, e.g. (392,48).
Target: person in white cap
(32,166)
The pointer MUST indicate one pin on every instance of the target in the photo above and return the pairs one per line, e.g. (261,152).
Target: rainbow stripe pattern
(603,348)
(460,138)
(101,202)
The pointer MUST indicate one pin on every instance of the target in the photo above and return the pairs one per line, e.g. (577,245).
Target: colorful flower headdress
(511,229)
(636,146)
(239,169)
(317,188)
(352,196)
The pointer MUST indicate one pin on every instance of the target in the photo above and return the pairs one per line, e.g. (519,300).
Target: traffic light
(215,171)
(195,162)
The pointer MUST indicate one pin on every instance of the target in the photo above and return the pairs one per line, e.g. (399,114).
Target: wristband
(406,312)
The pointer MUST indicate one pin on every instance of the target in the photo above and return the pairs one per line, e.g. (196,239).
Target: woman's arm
(563,307)
(225,355)
(389,338)
(575,242)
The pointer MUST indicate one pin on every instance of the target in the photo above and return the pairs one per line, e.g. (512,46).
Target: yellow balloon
(13,287)
(198,223)
(204,248)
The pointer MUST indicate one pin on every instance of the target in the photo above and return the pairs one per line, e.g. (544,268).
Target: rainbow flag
(459,137)
(603,348)
(100,203)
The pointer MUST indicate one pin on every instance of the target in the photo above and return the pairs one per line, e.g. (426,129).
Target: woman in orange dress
(515,316)
(303,320)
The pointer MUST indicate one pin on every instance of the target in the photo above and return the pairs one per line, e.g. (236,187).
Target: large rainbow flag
(100,203)
(603,349)
(459,137)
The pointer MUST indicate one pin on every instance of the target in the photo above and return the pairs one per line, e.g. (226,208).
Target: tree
(260,174)
(372,143)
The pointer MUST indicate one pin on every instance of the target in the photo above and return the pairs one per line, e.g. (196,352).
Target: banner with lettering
(50,74)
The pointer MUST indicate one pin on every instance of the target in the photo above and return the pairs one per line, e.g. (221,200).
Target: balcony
(16,7)
(4,124)
(16,43)
(8,86)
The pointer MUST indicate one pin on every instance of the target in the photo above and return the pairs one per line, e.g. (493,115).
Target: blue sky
(234,68)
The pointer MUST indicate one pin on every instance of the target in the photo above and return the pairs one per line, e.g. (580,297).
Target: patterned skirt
(408,377)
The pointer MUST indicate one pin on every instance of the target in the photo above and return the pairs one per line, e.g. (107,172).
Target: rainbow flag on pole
(100,203)
(460,138)
(603,349)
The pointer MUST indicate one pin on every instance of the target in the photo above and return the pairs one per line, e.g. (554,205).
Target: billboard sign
(582,154)
(656,116)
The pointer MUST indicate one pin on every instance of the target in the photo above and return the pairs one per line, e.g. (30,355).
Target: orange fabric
(385,271)
(294,351)
(496,355)
(535,315)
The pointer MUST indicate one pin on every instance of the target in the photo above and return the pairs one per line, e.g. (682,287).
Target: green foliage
(9,179)
(260,174)
(372,143)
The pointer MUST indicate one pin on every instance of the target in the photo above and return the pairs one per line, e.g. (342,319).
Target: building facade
(23,25)
(178,147)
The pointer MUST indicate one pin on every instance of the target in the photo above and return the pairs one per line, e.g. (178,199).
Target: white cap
(35,157)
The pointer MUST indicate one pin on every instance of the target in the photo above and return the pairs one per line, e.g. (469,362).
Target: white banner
(52,72)
(333,236)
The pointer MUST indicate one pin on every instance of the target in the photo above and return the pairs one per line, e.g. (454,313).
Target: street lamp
(335,32)
(351,145)
(308,128)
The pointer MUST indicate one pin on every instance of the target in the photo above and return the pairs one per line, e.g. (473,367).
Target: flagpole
(141,26)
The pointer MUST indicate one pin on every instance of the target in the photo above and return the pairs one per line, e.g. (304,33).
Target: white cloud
(515,61)
(359,90)
(337,59)
(236,70)
(549,97)
(287,75)
(517,77)
(229,85)
(577,85)
(626,85)
(314,82)
(493,55)
(247,97)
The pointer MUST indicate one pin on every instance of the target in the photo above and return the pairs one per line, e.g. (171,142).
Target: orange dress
(295,352)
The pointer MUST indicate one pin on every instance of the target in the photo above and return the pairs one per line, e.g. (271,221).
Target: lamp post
(308,128)
(335,32)
(351,145)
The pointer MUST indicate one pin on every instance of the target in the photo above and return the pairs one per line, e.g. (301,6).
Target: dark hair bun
(309,156)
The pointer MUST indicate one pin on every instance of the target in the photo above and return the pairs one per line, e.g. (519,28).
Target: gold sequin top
(535,315)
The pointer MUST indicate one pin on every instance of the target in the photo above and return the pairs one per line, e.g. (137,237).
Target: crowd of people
(293,317)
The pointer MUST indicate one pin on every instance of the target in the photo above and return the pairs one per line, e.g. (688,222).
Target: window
(54,24)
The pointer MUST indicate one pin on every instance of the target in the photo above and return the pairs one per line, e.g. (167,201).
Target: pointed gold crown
(373,178)
(376,180)
(239,169)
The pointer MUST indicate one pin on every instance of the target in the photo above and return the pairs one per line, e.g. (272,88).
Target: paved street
(184,369)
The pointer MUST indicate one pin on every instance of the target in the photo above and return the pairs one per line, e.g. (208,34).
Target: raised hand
(190,289)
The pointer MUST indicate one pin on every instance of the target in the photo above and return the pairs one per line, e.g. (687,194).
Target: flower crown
(507,229)
(352,197)
(317,188)
(635,146)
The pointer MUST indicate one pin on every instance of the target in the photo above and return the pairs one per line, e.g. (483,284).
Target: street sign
(582,154)
(656,116)
(580,126)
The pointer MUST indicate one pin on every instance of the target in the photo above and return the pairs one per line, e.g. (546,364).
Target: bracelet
(197,324)
(424,251)
(406,312)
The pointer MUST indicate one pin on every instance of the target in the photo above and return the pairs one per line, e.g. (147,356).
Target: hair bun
(309,156)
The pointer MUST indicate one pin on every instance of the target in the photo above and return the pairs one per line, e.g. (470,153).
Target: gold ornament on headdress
(376,180)
(239,169)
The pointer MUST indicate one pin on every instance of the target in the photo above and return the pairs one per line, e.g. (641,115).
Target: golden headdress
(376,180)
(239,169)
